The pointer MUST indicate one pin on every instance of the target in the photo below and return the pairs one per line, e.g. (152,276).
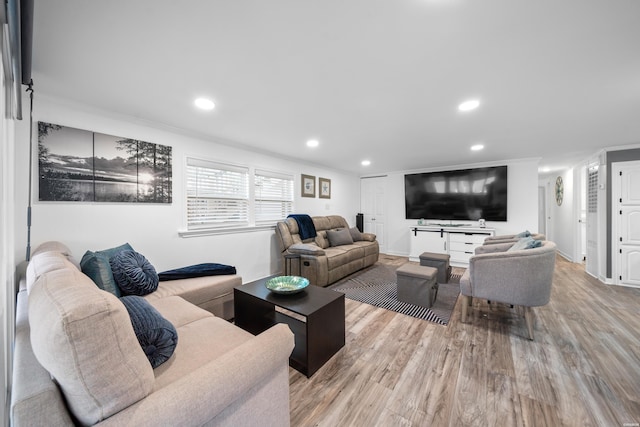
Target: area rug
(377,286)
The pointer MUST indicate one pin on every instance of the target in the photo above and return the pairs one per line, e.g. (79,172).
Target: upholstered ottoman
(417,284)
(439,261)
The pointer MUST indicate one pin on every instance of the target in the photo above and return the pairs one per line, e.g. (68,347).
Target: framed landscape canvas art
(308,184)
(85,166)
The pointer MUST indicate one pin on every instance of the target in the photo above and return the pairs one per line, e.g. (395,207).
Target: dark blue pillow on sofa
(133,273)
(156,335)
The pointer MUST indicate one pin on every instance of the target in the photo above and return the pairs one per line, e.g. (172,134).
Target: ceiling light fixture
(312,143)
(477,147)
(469,105)
(204,104)
(365,163)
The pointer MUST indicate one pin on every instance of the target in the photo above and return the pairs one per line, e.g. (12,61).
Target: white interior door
(372,203)
(626,220)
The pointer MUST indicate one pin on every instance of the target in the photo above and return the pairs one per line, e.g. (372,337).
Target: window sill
(230,230)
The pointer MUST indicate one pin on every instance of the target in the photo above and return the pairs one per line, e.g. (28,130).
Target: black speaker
(360,222)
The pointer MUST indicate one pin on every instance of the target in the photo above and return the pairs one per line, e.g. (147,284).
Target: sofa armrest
(205,392)
(369,237)
(306,249)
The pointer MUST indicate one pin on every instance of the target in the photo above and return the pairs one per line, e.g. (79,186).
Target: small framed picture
(308,184)
(325,188)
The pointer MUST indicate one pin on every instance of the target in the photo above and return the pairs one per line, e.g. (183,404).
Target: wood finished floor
(583,369)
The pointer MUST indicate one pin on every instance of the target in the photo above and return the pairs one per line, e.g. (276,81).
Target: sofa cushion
(133,273)
(156,335)
(96,266)
(198,290)
(343,255)
(201,341)
(339,237)
(72,323)
(177,310)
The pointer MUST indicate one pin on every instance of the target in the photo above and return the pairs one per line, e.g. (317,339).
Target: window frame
(252,224)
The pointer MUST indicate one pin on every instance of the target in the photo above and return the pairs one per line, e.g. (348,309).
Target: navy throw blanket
(305,225)
(198,270)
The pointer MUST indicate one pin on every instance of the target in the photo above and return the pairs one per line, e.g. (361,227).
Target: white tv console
(460,242)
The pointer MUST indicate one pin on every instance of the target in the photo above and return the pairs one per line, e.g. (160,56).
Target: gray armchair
(521,278)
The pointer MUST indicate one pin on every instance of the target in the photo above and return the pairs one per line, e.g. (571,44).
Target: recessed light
(477,147)
(312,143)
(204,104)
(469,105)
(365,163)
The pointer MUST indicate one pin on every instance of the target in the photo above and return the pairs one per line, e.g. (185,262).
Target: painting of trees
(78,165)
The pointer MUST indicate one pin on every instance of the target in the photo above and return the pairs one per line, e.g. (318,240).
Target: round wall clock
(559,190)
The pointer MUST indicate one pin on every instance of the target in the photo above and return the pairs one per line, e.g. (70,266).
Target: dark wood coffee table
(315,315)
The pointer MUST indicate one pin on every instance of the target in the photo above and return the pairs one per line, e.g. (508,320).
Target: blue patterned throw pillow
(156,335)
(133,273)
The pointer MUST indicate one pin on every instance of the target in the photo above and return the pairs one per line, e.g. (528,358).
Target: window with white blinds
(217,194)
(273,196)
(222,196)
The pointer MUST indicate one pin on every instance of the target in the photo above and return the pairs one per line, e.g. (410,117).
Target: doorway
(373,206)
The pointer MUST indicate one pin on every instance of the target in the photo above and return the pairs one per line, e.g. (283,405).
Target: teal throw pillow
(525,233)
(521,244)
(156,335)
(96,266)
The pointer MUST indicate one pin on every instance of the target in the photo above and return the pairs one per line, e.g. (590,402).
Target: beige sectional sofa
(77,359)
(316,258)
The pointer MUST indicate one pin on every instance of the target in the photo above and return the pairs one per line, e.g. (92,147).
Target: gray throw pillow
(339,237)
(524,243)
(355,234)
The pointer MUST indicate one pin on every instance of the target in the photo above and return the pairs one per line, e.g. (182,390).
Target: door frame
(616,224)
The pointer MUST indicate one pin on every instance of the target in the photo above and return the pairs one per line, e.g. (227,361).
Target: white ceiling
(370,79)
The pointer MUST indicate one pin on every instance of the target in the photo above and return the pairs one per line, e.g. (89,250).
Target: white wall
(563,225)
(153,229)
(522,209)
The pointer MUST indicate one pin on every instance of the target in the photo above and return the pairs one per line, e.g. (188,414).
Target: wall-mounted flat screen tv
(467,194)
